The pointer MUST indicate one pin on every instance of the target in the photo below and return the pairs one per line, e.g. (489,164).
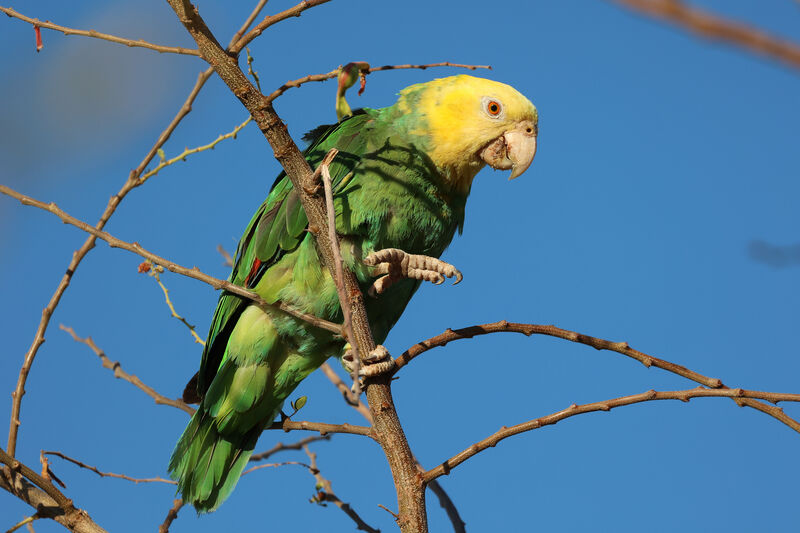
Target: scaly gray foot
(395,264)
(375,363)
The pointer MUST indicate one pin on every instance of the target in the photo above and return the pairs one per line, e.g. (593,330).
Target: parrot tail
(206,464)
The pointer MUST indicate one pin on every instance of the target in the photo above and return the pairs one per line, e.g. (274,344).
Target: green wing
(278,227)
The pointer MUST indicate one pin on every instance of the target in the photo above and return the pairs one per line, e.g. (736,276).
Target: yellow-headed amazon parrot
(400,182)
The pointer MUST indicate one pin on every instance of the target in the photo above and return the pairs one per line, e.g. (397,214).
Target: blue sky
(662,157)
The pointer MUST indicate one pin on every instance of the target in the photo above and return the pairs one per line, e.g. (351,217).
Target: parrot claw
(395,264)
(375,363)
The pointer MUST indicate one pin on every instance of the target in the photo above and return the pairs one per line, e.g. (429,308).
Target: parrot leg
(395,264)
(375,363)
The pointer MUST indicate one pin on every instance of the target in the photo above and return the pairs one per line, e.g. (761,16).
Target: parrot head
(468,122)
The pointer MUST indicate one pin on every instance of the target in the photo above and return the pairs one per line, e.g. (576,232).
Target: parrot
(400,182)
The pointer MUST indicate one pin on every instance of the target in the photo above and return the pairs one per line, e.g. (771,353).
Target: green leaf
(299,403)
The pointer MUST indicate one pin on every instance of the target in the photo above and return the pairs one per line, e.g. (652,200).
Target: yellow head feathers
(470,121)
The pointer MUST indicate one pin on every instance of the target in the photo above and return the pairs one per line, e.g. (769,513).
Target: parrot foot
(395,264)
(375,363)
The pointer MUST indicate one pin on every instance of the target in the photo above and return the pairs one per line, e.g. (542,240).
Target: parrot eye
(492,107)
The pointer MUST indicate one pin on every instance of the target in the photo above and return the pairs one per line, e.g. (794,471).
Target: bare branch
(325,494)
(322,428)
(97,35)
(24,522)
(713,27)
(351,399)
(164,162)
(121,374)
(338,270)
(335,72)
(572,410)
(108,474)
(270,20)
(154,271)
(225,255)
(193,273)
(172,514)
(274,465)
(599,344)
(247,23)
(131,183)
(286,425)
(281,447)
(43,496)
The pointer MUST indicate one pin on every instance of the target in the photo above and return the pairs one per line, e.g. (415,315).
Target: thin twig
(250,69)
(599,344)
(572,410)
(225,255)
(172,514)
(24,522)
(108,474)
(322,428)
(130,378)
(344,300)
(247,23)
(286,425)
(274,465)
(335,72)
(294,11)
(325,494)
(351,399)
(155,273)
(193,273)
(164,162)
(16,467)
(281,447)
(139,43)
(714,27)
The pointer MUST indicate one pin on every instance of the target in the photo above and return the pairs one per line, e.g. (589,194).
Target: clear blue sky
(662,157)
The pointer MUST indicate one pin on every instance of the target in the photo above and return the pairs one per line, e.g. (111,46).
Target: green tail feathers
(206,464)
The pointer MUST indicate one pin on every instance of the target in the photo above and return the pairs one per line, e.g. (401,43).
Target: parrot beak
(513,150)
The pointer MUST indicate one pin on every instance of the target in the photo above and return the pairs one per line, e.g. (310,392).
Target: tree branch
(97,35)
(130,378)
(43,496)
(172,514)
(131,183)
(281,447)
(108,474)
(599,344)
(286,425)
(388,431)
(193,273)
(572,410)
(323,428)
(711,26)
(325,494)
(335,72)
(268,21)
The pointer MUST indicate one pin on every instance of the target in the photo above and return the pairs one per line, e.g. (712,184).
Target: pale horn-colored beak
(513,150)
(521,147)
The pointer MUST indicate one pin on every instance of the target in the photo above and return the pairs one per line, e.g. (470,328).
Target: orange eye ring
(493,108)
